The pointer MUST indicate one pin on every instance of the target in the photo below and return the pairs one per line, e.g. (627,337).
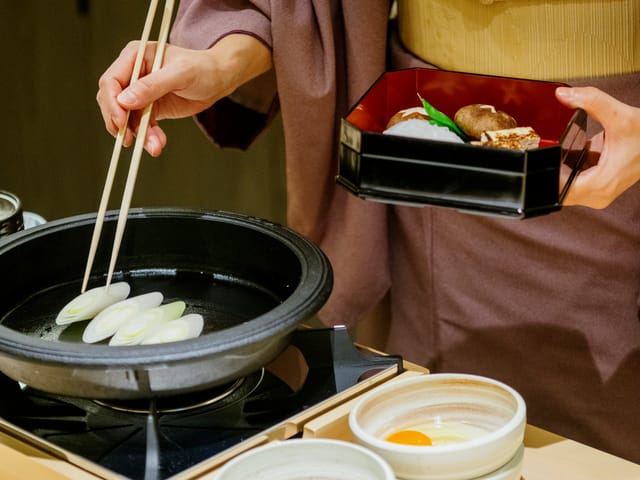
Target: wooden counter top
(548,456)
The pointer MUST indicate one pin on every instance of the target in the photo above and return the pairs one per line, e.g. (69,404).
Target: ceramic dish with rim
(512,470)
(442,426)
(306,459)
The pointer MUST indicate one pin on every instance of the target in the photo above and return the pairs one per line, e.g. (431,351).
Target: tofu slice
(519,138)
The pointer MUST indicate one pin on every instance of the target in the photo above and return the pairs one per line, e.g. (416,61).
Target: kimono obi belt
(552,40)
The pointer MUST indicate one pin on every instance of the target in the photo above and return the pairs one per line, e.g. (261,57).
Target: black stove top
(159,438)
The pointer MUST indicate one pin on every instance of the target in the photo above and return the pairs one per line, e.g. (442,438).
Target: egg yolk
(410,437)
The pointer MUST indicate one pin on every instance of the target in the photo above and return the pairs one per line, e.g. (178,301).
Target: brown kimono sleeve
(234,121)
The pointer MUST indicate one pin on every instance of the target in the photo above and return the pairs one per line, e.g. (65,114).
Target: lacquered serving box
(472,178)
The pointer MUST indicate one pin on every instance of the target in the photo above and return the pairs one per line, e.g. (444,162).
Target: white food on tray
(422,129)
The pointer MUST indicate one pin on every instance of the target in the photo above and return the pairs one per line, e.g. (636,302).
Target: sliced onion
(107,322)
(133,331)
(89,303)
(184,328)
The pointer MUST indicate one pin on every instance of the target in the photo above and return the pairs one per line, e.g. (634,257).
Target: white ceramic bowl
(306,459)
(32,219)
(483,418)
(512,470)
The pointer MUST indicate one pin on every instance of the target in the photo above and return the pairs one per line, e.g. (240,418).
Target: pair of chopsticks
(137,149)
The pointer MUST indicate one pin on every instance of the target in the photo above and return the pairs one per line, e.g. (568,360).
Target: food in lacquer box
(477,118)
(478,124)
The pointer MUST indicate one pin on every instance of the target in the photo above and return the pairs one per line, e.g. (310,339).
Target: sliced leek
(107,322)
(133,331)
(89,303)
(184,328)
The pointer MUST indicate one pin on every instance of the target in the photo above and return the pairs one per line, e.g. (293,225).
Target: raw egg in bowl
(442,426)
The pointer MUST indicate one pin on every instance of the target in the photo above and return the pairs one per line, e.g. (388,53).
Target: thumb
(600,106)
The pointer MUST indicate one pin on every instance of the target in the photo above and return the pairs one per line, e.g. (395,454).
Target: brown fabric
(549,305)
(320,71)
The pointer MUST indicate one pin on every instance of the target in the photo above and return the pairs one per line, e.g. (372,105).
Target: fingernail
(566,93)
(127,97)
(152,146)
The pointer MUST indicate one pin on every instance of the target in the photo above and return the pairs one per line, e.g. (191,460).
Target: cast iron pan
(252,280)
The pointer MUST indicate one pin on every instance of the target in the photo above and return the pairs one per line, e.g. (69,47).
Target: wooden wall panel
(54,151)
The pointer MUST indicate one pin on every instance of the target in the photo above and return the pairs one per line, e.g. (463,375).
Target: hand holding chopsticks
(137,150)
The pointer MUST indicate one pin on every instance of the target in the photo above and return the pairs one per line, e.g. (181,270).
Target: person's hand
(189,82)
(614,154)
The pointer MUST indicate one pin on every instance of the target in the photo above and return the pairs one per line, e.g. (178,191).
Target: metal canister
(11,218)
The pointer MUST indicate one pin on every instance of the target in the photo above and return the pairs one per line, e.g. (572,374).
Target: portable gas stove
(186,436)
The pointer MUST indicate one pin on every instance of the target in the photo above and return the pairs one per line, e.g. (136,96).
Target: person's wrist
(240,58)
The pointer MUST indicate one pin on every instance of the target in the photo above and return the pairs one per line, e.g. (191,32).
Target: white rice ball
(417,128)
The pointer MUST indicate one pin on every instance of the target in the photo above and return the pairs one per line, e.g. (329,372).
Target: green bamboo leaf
(440,119)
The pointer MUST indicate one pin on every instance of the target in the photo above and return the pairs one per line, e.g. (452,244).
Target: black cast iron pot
(253,281)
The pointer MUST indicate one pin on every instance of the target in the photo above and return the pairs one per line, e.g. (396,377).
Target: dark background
(54,150)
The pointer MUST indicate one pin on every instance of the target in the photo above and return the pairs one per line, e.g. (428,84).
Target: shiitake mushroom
(477,118)
(407,114)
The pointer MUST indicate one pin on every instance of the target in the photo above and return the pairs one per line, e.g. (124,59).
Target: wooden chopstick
(138,147)
(117,148)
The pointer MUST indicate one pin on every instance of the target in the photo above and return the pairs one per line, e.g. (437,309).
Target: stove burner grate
(175,403)
(158,439)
